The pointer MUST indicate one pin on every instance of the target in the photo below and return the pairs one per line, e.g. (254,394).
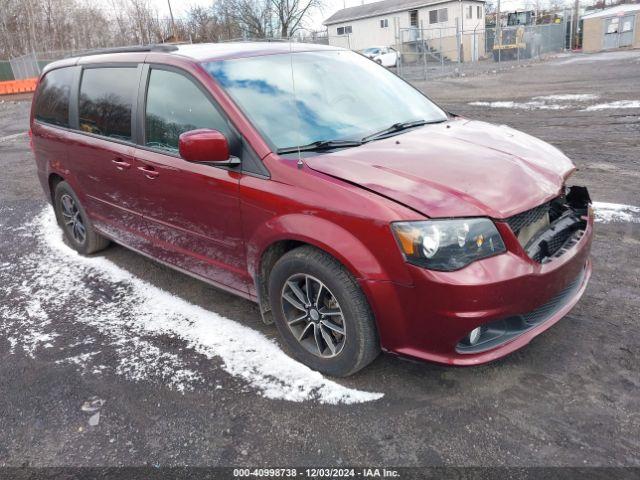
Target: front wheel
(73,220)
(321,313)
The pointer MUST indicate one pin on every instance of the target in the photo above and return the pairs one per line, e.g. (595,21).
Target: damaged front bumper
(567,217)
(512,297)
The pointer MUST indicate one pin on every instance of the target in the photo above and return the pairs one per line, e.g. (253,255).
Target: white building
(446,26)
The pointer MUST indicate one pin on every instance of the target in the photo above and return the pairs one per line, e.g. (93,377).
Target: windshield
(339,95)
(371,50)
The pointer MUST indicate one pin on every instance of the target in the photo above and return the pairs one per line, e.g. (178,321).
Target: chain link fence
(436,51)
(25,66)
(30,65)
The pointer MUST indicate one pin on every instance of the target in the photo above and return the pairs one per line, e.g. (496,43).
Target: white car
(385,56)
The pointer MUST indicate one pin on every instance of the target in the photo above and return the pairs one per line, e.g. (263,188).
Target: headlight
(448,245)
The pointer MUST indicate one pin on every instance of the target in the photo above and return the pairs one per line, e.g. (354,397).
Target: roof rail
(133,49)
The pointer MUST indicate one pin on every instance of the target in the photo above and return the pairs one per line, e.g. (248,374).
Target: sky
(315,22)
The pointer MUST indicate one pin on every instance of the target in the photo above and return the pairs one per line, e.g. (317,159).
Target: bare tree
(254,17)
(74,25)
(201,25)
(291,13)
(224,12)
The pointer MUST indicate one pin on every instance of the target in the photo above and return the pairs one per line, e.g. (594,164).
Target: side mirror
(205,146)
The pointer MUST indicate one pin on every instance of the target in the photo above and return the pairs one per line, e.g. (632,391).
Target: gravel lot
(123,329)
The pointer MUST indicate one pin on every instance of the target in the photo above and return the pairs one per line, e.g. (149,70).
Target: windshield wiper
(397,127)
(321,145)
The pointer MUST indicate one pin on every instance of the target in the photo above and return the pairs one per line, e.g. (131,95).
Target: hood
(454,169)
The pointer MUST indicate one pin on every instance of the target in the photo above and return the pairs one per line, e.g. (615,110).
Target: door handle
(121,164)
(149,171)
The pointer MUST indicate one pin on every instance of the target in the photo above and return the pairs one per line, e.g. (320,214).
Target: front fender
(320,232)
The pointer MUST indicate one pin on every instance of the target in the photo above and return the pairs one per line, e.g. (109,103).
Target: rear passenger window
(106,98)
(52,100)
(176,105)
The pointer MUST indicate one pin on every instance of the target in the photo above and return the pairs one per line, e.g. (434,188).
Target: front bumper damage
(513,297)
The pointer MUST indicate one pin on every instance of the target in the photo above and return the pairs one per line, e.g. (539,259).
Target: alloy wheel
(313,315)
(72,218)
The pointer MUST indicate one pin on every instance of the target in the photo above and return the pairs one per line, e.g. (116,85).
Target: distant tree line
(74,25)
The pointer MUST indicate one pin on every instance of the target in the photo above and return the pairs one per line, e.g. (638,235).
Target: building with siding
(613,27)
(444,24)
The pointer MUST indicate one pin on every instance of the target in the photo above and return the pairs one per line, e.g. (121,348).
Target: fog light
(474,336)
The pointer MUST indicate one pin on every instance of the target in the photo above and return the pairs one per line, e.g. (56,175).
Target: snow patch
(601,57)
(80,360)
(531,105)
(544,102)
(13,137)
(616,213)
(620,104)
(569,97)
(141,312)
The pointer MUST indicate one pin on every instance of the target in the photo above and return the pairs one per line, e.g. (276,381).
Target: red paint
(203,145)
(216,222)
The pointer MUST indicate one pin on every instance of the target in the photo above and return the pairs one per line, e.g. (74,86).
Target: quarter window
(52,100)
(106,100)
(176,105)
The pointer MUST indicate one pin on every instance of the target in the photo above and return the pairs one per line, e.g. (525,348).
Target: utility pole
(173,23)
(459,28)
(498,31)
(575,22)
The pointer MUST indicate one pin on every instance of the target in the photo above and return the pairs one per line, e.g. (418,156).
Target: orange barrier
(27,85)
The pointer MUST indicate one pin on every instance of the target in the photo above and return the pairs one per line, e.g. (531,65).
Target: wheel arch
(286,233)
(53,181)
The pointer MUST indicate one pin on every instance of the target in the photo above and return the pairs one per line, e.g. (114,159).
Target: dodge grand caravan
(358,214)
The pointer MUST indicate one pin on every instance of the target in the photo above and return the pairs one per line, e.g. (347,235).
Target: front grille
(524,219)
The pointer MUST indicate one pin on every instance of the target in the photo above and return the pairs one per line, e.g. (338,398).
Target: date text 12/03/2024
(316,472)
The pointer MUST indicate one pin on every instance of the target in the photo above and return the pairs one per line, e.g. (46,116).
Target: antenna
(295,102)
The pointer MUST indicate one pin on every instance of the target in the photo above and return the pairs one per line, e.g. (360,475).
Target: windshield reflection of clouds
(339,95)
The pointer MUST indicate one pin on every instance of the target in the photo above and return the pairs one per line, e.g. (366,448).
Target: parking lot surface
(116,360)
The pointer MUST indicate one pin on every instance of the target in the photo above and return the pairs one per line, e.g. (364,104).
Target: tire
(337,290)
(65,203)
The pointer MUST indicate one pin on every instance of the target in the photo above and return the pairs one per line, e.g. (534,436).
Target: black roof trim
(138,48)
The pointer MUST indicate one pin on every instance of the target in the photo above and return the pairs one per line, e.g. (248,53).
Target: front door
(192,211)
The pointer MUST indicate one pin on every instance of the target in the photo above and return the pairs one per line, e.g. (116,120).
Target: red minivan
(358,214)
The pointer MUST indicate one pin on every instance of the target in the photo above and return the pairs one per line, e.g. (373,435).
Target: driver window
(176,105)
